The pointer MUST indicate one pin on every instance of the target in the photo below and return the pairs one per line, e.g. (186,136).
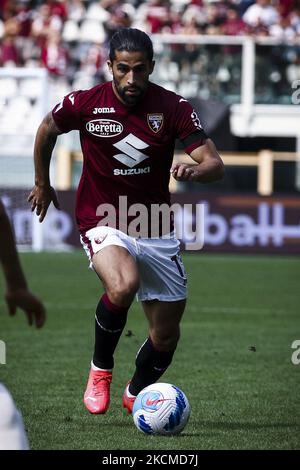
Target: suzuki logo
(131,147)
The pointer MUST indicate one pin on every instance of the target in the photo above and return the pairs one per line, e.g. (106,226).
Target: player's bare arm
(42,194)
(17,293)
(209,165)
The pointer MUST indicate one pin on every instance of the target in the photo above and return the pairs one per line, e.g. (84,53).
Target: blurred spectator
(70,37)
(233,24)
(154,15)
(119,18)
(283,30)
(58,8)
(100,10)
(191,27)
(54,56)
(2,7)
(45,23)
(76,10)
(294,16)
(20,12)
(215,16)
(194,11)
(243,6)
(285,6)
(8,53)
(261,13)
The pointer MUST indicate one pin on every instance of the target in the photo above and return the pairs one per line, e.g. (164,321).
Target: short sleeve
(188,126)
(66,114)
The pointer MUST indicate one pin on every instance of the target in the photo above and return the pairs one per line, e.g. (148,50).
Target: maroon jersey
(127,151)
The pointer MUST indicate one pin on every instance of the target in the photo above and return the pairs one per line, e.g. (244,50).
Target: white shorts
(161,270)
(12,432)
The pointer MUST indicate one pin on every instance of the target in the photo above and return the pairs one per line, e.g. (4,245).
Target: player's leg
(156,354)
(118,272)
(163,295)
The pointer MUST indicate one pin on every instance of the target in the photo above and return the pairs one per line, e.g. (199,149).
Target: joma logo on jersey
(155,122)
(103,110)
(104,127)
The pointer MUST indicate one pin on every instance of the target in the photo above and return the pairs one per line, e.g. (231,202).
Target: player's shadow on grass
(240,426)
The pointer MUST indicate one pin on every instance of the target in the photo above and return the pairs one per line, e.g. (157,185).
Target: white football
(161,409)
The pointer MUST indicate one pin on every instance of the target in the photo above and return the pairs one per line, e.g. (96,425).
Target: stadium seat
(71,31)
(83,81)
(92,31)
(96,12)
(17,111)
(189,89)
(8,87)
(30,88)
(170,86)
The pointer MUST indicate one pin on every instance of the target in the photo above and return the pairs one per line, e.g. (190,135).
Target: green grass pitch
(233,361)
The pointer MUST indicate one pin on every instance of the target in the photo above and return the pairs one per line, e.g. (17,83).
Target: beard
(129,99)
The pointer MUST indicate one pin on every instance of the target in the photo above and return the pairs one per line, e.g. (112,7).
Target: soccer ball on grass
(161,409)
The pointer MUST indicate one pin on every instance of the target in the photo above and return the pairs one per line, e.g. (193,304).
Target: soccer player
(12,433)
(128,129)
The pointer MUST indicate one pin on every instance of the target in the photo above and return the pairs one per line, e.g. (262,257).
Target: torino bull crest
(155,122)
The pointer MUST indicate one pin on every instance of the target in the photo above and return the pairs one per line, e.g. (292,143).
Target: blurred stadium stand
(237,61)
(233,59)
